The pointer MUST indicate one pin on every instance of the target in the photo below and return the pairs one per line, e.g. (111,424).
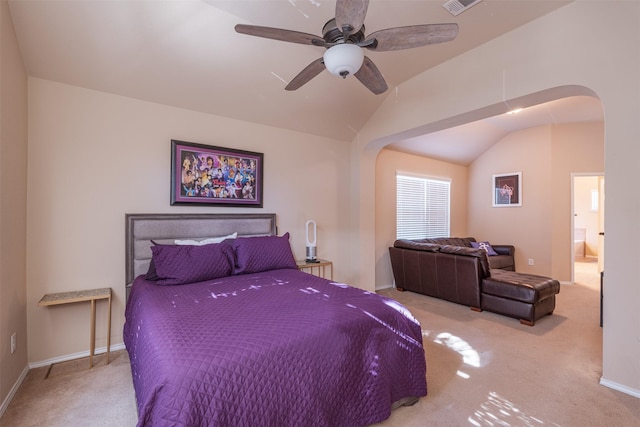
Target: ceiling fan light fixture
(344,38)
(343,59)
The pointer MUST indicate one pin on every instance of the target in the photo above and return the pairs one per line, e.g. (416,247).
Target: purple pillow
(177,265)
(485,246)
(256,254)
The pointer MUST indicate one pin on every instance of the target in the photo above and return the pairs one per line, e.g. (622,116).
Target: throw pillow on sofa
(485,246)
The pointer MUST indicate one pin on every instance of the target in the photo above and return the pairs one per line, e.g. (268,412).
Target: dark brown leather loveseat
(450,269)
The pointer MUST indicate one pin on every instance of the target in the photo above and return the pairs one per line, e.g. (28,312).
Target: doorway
(587,228)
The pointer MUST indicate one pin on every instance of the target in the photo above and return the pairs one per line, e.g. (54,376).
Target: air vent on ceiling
(456,7)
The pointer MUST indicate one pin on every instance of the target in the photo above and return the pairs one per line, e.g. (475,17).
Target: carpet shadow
(442,366)
(461,313)
(81,365)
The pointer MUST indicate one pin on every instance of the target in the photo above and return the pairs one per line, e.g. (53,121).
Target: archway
(382,225)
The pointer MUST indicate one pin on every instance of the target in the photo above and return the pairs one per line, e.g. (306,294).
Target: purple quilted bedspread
(277,348)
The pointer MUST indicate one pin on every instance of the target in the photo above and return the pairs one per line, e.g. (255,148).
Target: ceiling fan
(344,38)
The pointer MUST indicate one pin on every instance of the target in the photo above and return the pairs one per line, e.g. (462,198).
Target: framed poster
(507,189)
(204,174)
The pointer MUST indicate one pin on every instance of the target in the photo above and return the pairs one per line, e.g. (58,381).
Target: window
(594,200)
(422,207)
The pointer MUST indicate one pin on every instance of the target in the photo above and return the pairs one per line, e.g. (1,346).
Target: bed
(223,329)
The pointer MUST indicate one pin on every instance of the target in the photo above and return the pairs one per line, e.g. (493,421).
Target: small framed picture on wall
(507,189)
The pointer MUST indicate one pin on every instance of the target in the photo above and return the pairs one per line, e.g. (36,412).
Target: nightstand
(321,266)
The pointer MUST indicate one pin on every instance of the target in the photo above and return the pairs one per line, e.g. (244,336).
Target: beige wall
(388,163)
(528,227)
(13,206)
(576,149)
(557,55)
(541,228)
(94,157)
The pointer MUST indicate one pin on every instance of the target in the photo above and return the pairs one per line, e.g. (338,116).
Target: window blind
(422,207)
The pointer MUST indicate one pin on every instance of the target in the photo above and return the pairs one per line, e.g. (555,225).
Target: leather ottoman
(526,297)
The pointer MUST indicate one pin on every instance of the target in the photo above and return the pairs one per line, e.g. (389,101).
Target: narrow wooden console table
(86,295)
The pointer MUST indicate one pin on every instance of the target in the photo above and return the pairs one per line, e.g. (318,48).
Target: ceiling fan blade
(278,34)
(409,37)
(371,77)
(309,72)
(350,15)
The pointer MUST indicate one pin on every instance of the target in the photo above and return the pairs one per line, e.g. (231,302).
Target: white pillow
(206,241)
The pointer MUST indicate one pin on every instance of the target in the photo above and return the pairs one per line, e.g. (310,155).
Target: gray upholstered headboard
(141,229)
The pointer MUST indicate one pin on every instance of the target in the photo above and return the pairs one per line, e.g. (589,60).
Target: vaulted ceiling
(185,53)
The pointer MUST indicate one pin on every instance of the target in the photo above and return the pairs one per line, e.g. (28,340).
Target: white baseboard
(13,390)
(74,356)
(619,387)
(389,286)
